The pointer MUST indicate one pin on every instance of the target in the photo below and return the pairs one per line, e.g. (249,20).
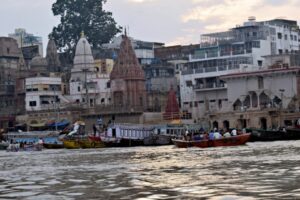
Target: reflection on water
(254,171)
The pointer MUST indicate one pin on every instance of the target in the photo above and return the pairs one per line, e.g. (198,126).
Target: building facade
(241,49)
(43,93)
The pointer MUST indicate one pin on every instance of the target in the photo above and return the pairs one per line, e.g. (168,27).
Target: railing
(209,69)
(209,86)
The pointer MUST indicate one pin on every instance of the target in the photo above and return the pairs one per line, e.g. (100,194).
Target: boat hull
(53,146)
(230,141)
(270,135)
(83,143)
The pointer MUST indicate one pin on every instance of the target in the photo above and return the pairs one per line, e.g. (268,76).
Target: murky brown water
(255,171)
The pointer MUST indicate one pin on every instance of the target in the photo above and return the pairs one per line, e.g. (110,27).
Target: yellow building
(104,66)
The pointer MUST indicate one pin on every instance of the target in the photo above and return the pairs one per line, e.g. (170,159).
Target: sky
(169,21)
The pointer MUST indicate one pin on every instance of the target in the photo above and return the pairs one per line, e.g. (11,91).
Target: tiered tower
(172,108)
(128,78)
(54,64)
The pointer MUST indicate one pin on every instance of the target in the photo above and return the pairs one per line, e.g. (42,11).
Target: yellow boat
(82,143)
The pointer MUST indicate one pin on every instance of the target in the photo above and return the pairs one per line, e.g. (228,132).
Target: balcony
(209,86)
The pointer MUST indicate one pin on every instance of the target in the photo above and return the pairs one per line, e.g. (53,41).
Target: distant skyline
(168,21)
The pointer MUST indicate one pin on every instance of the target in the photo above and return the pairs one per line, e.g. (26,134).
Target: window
(8,50)
(195,104)
(279,35)
(78,88)
(295,37)
(189,83)
(285,37)
(108,84)
(260,62)
(32,103)
(280,51)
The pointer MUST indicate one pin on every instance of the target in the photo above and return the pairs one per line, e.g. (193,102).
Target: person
(233,132)
(40,141)
(211,135)
(94,129)
(244,131)
(227,134)
(75,129)
(217,135)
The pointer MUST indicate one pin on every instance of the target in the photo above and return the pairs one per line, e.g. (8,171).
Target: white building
(87,83)
(241,49)
(43,93)
(25,39)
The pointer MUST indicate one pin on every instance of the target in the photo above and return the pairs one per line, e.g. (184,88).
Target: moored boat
(275,135)
(126,135)
(224,141)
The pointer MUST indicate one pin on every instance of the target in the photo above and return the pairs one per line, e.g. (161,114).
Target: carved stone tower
(54,64)
(128,78)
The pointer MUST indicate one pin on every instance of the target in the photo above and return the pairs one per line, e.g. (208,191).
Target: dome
(83,55)
(39,61)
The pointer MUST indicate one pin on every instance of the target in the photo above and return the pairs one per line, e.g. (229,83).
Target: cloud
(220,15)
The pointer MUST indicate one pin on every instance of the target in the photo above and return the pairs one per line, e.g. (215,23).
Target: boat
(275,135)
(24,147)
(224,141)
(126,135)
(155,140)
(4,145)
(82,142)
(79,139)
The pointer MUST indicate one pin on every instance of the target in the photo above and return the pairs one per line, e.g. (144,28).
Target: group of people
(212,135)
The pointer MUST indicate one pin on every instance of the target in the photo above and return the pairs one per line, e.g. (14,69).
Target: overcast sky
(168,21)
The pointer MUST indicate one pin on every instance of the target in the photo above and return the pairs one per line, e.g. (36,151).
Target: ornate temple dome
(127,65)
(54,64)
(83,55)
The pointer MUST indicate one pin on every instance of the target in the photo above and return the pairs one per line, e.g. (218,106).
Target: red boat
(229,141)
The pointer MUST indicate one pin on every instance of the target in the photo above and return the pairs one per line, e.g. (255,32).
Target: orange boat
(229,141)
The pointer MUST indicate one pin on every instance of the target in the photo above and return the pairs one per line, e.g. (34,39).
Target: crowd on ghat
(213,134)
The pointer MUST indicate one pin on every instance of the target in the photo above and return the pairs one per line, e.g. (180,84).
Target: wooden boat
(4,145)
(82,142)
(275,135)
(182,143)
(126,135)
(24,147)
(53,145)
(155,140)
(229,141)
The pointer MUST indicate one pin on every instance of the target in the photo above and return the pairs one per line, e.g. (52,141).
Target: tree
(82,15)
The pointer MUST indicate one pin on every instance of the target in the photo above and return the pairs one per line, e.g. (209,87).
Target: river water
(254,171)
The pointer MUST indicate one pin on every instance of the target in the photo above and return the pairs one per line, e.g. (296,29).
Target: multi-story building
(10,56)
(159,80)
(25,39)
(240,49)
(43,93)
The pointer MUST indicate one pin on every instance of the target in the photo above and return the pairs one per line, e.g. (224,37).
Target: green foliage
(82,15)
